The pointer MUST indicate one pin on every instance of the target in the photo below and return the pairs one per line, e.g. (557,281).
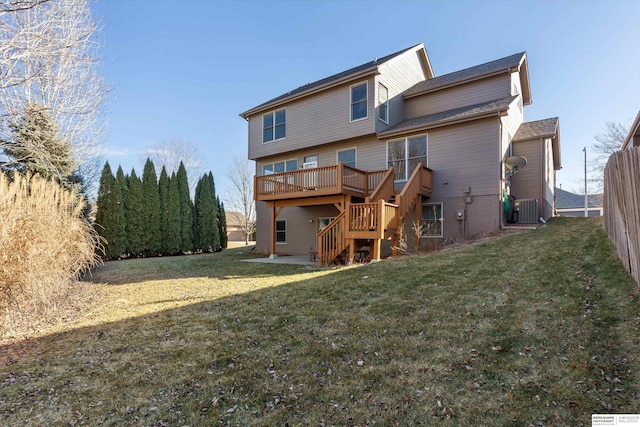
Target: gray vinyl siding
(465,155)
(527,182)
(472,93)
(301,228)
(370,154)
(398,75)
(315,120)
(549,181)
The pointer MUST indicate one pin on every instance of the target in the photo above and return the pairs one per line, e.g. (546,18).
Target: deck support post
(375,250)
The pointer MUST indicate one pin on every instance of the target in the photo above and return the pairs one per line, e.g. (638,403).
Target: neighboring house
(356,159)
(633,139)
(571,204)
(236,227)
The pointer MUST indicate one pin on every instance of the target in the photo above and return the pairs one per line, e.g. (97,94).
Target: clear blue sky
(186,69)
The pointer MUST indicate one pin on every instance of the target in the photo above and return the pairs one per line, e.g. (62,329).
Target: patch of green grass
(539,327)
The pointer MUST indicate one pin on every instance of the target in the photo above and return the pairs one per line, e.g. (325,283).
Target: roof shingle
(538,129)
(453,115)
(468,73)
(352,71)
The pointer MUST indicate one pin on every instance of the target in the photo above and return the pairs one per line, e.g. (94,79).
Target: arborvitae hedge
(150,216)
(151,203)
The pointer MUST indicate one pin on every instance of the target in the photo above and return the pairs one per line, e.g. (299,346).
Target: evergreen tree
(215,230)
(197,239)
(110,221)
(151,207)
(121,182)
(222,224)
(207,217)
(186,210)
(163,193)
(174,236)
(36,147)
(134,213)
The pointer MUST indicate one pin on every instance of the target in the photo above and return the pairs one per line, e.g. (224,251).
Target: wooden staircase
(380,217)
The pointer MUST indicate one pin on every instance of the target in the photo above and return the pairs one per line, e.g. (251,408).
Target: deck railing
(371,219)
(332,240)
(327,179)
(419,183)
(384,188)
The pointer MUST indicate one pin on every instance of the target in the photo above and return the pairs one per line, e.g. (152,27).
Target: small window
(359,101)
(432,220)
(310,162)
(348,157)
(281,231)
(383,103)
(324,222)
(274,126)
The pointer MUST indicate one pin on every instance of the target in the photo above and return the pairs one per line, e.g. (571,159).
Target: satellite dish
(515,163)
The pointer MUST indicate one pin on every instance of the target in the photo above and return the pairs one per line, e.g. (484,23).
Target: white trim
(407,172)
(386,122)
(273,165)
(285,232)
(366,82)
(441,219)
(355,150)
(273,113)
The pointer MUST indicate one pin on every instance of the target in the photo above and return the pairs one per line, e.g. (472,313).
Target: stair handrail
(407,197)
(385,188)
(331,240)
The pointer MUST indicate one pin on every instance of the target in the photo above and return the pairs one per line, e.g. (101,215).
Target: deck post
(375,250)
(272,249)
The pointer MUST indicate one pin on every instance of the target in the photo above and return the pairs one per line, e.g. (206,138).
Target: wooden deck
(322,181)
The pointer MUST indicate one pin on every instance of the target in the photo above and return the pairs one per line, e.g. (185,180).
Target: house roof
(234,219)
(456,115)
(514,62)
(545,128)
(566,199)
(634,132)
(355,72)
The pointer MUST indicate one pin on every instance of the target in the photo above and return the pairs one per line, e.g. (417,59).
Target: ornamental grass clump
(45,245)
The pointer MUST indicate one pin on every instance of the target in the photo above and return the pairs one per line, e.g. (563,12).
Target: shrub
(45,245)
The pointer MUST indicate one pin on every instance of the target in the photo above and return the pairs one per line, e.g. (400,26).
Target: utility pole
(586,197)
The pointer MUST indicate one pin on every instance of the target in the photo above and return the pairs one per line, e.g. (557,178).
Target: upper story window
(278,167)
(348,157)
(404,155)
(359,101)
(383,103)
(274,126)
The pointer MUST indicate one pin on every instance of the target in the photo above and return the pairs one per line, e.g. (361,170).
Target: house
(633,139)
(388,152)
(571,204)
(236,227)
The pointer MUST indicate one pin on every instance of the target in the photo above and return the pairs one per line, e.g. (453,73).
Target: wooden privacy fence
(622,207)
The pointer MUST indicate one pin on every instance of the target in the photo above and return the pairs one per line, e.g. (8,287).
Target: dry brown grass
(45,244)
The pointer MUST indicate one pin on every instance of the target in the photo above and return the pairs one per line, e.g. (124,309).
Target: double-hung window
(404,155)
(281,231)
(432,220)
(274,126)
(383,103)
(348,157)
(359,101)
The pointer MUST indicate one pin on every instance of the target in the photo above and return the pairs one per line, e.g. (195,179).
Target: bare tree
(607,142)
(170,153)
(240,176)
(49,56)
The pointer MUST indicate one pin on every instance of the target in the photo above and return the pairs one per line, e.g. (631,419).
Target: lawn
(537,328)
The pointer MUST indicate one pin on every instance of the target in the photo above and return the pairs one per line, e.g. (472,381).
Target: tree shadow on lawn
(220,265)
(342,348)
